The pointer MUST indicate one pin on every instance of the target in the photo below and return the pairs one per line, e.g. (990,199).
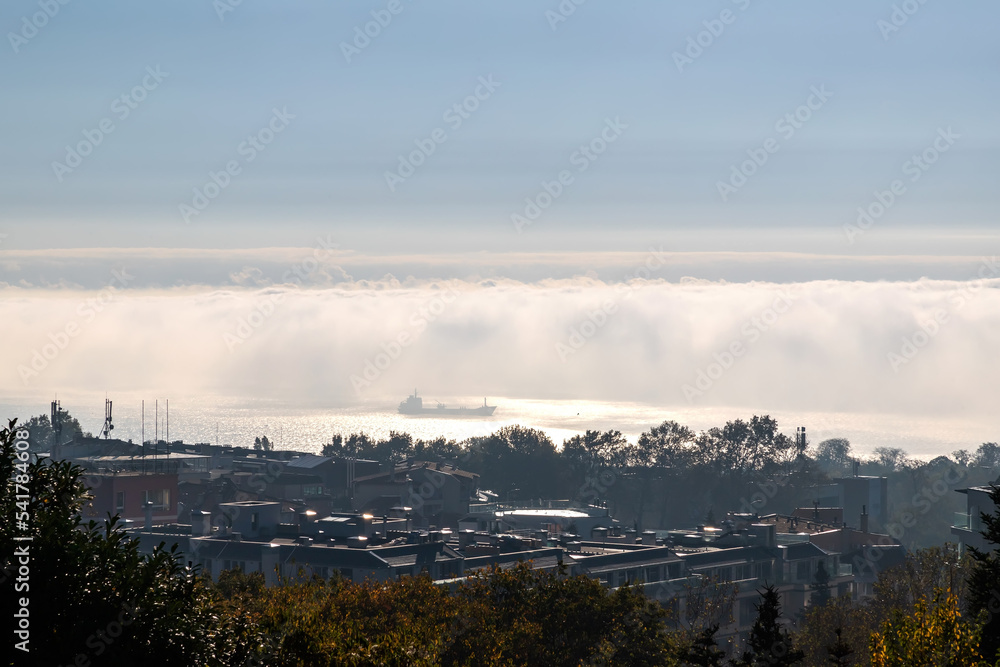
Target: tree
(703,650)
(935,635)
(92,595)
(516,461)
(770,643)
(987,456)
(840,651)
(518,616)
(820,586)
(962,457)
(666,446)
(891,458)
(43,436)
(834,453)
(984,580)
(335,447)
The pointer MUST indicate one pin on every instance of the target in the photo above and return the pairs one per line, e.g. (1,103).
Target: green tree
(92,595)
(834,454)
(335,447)
(703,650)
(820,586)
(984,580)
(43,436)
(840,651)
(769,642)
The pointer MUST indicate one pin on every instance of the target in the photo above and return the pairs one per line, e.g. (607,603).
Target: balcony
(966,521)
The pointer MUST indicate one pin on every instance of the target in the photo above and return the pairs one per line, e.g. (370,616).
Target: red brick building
(126,493)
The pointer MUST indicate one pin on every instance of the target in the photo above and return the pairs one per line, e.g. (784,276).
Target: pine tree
(840,651)
(770,644)
(703,651)
(984,581)
(820,586)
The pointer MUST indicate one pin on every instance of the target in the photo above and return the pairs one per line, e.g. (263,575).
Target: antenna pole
(142,436)
(168,425)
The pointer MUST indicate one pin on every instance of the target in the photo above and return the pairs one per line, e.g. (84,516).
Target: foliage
(43,436)
(840,651)
(703,650)
(820,586)
(770,643)
(935,635)
(834,454)
(91,593)
(498,617)
(987,456)
(984,580)
(898,589)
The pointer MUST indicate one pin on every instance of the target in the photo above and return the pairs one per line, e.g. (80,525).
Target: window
(312,490)
(160,499)
(254,520)
(653,573)
(802,571)
(748,611)
(120,502)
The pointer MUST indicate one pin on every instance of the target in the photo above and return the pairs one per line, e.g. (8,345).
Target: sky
(171,169)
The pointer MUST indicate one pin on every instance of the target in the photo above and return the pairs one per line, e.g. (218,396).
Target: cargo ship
(414,405)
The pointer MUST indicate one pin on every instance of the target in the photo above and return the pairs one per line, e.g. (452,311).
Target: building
(554,516)
(857,495)
(127,493)
(338,473)
(437,494)
(968,525)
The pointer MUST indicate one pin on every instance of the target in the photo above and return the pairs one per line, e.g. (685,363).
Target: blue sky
(326,170)
(302,235)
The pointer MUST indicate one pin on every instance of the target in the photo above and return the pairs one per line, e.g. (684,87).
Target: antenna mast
(108,426)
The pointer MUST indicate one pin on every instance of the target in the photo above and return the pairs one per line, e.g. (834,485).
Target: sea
(298,426)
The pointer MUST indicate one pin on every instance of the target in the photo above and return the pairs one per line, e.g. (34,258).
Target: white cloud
(827,352)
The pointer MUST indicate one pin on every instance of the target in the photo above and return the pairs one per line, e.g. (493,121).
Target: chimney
(149,515)
(466,538)
(649,537)
(816,511)
(864,519)
(201,523)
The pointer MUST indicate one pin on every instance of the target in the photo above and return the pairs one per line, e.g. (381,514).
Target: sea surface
(237,421)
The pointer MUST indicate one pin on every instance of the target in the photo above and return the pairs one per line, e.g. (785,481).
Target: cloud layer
(918,348)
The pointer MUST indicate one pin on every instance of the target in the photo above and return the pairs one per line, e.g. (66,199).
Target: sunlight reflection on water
(296,426)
